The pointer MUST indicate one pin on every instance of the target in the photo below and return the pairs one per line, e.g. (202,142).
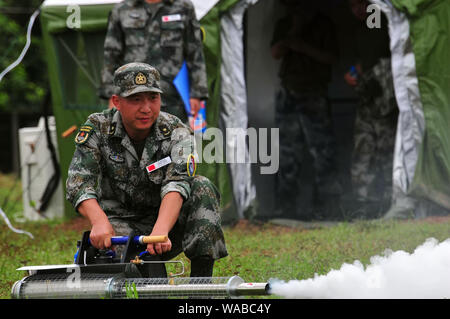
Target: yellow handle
(154,239)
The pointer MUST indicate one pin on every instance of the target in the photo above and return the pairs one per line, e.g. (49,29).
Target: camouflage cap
(136,77)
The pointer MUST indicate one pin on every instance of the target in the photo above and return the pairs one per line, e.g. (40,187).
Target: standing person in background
(165,34)
(376,116)
(306,43)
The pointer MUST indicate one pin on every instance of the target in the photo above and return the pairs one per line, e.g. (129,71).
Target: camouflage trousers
(305,124)
(374,136)
(197,232)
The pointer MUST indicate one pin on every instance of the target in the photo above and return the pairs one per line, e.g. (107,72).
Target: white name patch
(172,17)
(165,161)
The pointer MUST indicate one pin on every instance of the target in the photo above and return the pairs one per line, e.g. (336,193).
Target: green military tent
(242,80)
(420,44)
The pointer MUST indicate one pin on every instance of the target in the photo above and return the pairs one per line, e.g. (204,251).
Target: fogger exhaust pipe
(97,286)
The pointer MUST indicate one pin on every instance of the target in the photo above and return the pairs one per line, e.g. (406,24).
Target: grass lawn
(257,253)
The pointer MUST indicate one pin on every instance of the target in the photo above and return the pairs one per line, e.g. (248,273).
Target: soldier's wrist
(92,211)
(98,218)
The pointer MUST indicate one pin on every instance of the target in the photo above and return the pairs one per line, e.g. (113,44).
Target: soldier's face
(139,111)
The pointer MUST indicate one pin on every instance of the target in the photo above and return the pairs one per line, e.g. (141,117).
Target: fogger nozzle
(103,286)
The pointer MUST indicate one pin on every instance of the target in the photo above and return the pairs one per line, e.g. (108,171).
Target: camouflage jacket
(105,165)
(164,39)
(376,90)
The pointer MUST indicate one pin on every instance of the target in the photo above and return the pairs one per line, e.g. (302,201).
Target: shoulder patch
(83,134)
(202,29)
(112,129)
(165,130)
(191,165)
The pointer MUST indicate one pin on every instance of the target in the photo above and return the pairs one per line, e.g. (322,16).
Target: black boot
(202,267)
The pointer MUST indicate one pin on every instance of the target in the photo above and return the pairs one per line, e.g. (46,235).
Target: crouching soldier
(134,170)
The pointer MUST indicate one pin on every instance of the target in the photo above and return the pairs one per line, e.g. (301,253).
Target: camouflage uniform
(106,166)
(375,131)
(304,115)
(164,36)
(307,123)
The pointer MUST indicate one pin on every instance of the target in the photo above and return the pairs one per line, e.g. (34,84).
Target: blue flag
(181,82)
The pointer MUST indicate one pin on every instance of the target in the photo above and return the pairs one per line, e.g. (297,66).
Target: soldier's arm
(177,177)
(175,187)
(81,183)
(101,231)
(82,176)
(194,56)
(318,54)
(167,217)
(327,52)
(112,54)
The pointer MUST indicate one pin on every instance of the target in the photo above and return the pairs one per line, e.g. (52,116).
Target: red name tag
(172,17)
(165,161)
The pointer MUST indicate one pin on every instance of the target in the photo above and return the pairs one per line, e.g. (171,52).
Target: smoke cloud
(423,274)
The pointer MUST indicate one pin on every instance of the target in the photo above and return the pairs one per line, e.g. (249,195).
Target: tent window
(80,63)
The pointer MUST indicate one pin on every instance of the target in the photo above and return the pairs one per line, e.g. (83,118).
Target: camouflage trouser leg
(197,232)
(200,227)
(373,153)
(292,144)
(375,131)
(306,122)
(316,119)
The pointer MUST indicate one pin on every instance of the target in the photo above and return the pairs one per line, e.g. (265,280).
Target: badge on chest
(116,158)
(171,18)
(163,162)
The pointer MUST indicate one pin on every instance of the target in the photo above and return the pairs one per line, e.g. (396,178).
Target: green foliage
(25,86)
(11,195)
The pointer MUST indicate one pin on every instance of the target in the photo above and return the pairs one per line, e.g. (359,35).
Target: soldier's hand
(159,248)
(101,231)
(351,80)
(101,234)
(195,106)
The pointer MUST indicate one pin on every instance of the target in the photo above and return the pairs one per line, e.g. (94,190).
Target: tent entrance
(263,82)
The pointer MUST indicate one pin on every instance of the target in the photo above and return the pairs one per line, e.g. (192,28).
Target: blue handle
(116,240)
(122,240)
